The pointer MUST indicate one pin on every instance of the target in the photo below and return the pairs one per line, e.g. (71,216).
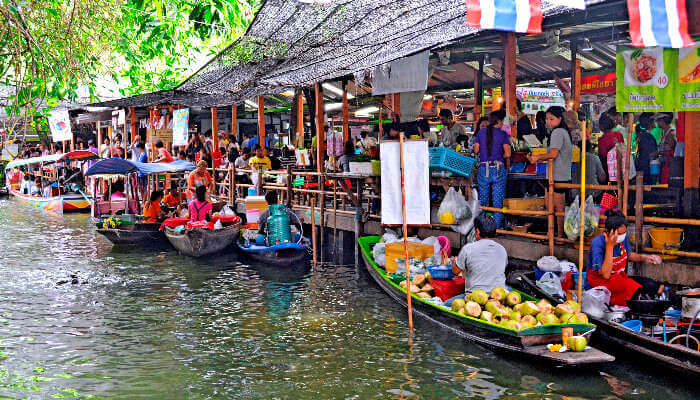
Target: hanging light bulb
(487,60)
(587,45)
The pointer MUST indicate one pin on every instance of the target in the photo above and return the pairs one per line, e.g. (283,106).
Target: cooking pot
(690,303)
(650,307)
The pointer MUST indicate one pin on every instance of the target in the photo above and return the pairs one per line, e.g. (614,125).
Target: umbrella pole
(582,200)
(405,235)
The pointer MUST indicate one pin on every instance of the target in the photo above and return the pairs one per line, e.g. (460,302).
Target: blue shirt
(499,139)
(596,254)
(143,158)
(254,141)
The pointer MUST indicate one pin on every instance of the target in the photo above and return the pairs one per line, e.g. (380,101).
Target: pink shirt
(198,210)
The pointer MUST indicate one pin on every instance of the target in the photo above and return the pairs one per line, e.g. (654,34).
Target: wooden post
(234,121)
(111,139)
(322,209)
(320,132)
(582,198)
(132,111)
(300,120)
(405,234)
(478,86)
(508,39)
(639,213)
(550,206)
(64,146)
(290,193)
(381,118)
(691,161)
(628,157)
(215,128)
(231,178)
(396,105)
(346,113)
(313,230)
(261,121)
(99,137)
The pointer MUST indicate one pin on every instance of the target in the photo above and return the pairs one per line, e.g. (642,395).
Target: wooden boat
(528,343)
(140,234)
(283,254)
(624,341)
(198,242)
(69,202)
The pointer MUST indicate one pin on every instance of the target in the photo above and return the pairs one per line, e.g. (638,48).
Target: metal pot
(615,316)
(690,303)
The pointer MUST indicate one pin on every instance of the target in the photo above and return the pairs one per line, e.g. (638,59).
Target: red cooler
(448,289)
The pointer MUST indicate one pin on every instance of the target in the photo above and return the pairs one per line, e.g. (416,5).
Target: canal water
(81,320)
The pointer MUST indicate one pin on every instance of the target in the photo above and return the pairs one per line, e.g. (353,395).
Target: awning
(81,155)
(120,166)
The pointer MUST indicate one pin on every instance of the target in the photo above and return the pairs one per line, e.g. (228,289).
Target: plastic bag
(572,219)
(549,264)
(379,254)
(226,210)
(567,266)
(474,209)
(596,300)
(453,208)
(433,241)
(550,284)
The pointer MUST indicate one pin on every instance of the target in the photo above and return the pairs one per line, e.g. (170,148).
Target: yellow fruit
(447,218)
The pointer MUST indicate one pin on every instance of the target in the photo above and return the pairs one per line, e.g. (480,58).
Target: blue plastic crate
(444,159)
(541,168)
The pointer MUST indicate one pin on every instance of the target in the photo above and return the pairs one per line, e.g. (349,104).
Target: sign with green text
(688,79)
(646,79)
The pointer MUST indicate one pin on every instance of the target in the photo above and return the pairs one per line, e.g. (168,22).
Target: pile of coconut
(508,310)
(420,286)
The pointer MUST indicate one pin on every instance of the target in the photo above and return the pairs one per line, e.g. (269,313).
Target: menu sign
(689,79)
(646,79)
(535,99)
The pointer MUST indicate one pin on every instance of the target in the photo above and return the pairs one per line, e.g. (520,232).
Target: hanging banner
(658,23)
(598,84)
(59,124)
(689,79)
(524,16)
(181,119)
(535,99)
(646,79)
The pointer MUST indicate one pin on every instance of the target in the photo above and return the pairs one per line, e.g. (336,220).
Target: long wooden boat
(283,254)
(140,234)
(198,242)
(71,202)
(623,341)
(527,343)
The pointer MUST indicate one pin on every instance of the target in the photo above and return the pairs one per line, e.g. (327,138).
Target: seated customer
(200,209)
(174,197)
(607,262)
(271,199)
(152,210)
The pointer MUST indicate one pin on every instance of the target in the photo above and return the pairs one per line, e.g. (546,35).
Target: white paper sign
(181,119)
(59,124)
(417,182)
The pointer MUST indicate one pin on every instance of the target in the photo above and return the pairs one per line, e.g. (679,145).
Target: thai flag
(658,23)
(524,16)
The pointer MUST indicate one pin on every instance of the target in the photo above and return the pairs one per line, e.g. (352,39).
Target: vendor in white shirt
(450,130)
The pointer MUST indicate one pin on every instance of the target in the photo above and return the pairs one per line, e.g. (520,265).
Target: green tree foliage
(50,48)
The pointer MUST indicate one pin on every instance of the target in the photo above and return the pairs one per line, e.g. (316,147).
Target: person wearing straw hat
(608,258)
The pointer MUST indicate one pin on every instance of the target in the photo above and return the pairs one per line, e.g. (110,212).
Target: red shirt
(165,154)
(606,143)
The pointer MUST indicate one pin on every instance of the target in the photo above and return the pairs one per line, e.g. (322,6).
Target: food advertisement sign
(598,84)
(59,124)
(689,79)
(181,119)
(646,79)
(535,99)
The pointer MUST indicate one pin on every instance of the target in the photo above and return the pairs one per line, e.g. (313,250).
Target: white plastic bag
(567,266)
(549,264)
(226,210)
(453,208)
(550,284)
(573,219)
(217,225)
(379,254)
(433,241)
(474,209)
(595,301)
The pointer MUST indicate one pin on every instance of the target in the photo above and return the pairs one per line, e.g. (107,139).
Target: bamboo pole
(628,157)
(638,213)
(405,235)
(346,119)
(582,198)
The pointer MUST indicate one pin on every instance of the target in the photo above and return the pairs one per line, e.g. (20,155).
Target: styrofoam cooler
(252,216)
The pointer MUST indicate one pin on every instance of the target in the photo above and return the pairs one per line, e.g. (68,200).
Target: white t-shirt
(483,264)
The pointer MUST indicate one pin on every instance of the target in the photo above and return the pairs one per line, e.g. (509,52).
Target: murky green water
(145,325)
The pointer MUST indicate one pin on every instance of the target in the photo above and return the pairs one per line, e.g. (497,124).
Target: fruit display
(576,343)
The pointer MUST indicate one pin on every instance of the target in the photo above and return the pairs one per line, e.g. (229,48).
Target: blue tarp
(120,166)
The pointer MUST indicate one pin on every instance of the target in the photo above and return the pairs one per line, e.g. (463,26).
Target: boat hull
(199,242)
(287,254)
(627,342)
(140,235)
(489,335)
(61,204)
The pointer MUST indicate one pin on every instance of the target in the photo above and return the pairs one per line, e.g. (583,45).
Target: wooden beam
(575,79)
(300,119)
(691,161)
(346,113)
(478,87)
(215,128)
(261,121)
(234,121)
(132,112)
(508,40)
(320,132)
(396,106)
(99,137)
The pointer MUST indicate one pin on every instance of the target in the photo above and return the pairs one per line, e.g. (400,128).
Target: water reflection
(159,325)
